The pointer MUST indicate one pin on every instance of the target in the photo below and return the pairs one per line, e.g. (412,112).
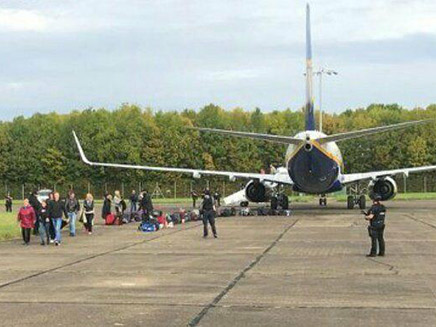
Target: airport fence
(181,188)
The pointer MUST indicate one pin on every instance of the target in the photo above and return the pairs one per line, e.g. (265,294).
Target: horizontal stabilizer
(370,131)
(263,137)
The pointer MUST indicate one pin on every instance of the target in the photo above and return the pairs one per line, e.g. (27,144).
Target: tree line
(40,150)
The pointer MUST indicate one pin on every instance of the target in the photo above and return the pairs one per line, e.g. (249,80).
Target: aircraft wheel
(244,204)
(274,203)
(285,202)
(350,202)
(362,202)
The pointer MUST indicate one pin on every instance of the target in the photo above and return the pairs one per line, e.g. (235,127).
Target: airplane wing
(280,177)
(369,131)
(263,137)
(352,178)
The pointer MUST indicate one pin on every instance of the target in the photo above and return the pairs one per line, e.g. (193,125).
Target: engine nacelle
(256,191)
(385,187)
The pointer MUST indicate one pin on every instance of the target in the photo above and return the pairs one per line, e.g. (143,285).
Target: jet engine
(256,191)
(385,187)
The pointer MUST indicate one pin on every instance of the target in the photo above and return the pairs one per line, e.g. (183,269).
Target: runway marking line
(196,320)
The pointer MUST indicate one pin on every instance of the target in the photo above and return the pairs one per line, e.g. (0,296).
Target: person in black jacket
(44,224)
(36,205)
(376,217)
(146,205)
(107,204)
(52,231)
(208,210)
(56,210)
(72,207)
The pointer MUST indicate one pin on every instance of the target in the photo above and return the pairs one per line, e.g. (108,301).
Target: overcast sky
(176,54)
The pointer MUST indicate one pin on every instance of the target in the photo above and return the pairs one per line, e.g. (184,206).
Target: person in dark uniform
(208,210)
(376,217)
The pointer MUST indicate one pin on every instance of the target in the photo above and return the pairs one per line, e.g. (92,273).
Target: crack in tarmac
(196,320)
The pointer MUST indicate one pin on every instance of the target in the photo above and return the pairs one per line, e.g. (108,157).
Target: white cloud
(22,20)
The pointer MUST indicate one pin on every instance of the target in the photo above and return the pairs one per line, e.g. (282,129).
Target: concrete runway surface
(309,269)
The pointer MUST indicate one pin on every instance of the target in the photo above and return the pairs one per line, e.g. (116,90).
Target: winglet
(82,154)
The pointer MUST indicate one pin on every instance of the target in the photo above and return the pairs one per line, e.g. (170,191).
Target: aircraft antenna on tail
(309,112)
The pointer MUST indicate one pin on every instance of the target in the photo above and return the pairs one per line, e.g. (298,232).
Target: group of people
(141,201)
(46,217)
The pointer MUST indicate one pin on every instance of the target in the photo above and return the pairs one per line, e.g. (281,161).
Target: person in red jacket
(27,218)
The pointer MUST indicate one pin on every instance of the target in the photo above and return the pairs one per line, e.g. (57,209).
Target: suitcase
(147,227)
(110,219)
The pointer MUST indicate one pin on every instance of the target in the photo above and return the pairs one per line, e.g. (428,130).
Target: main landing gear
(280,200)
(353,200)
(356,196)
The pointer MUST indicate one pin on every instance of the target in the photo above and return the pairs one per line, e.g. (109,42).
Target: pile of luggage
(159,220)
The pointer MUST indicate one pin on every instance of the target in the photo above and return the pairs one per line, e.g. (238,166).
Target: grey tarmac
(308,269)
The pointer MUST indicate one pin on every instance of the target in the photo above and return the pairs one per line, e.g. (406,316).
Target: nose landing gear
(323,200)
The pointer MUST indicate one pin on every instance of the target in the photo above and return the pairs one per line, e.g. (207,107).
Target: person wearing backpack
(208,210)
(72,207)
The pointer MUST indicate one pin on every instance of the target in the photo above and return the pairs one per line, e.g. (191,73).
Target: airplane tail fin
(309,110)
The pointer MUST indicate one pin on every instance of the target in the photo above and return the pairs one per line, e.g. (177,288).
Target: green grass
(399,196)
(9,228)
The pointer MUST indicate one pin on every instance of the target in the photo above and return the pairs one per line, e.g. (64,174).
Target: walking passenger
(36,205)
(72,207)
(88,207)
(51,226)
(44,224)
(56,209)
(27,218)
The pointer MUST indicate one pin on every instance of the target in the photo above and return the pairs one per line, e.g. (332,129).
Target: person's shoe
(381,254)
(27,244)
(72,235)
(51,241)
(89,233)
(56,243)
(43,243)
(371,255)
(204,236)
(215,235)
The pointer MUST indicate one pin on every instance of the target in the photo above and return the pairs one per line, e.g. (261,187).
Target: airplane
(313,160)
